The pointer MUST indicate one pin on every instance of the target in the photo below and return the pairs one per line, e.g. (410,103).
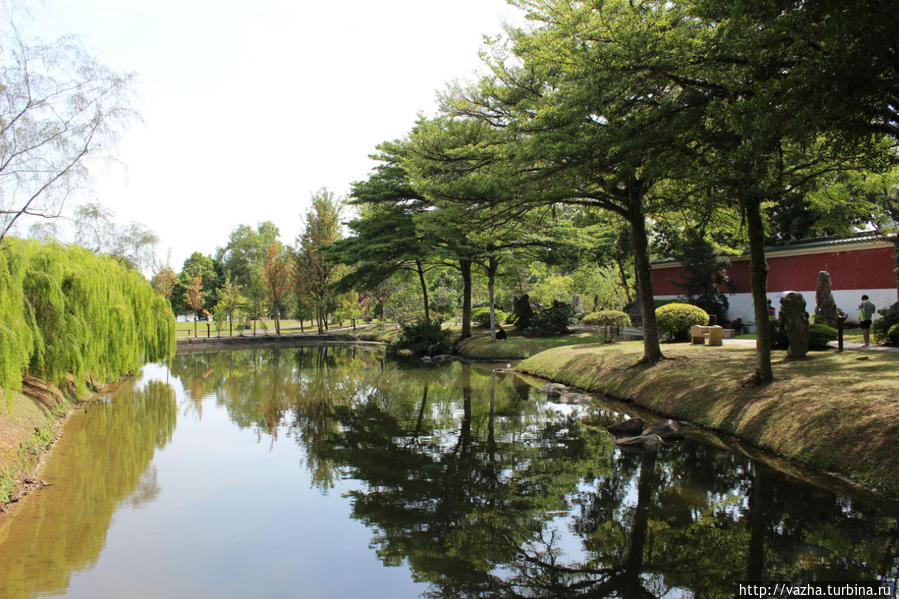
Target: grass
(516,346)
(849,336)
(263,327)
(27,429)
(833,411)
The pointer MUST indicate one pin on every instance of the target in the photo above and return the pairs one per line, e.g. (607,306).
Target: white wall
(847,300)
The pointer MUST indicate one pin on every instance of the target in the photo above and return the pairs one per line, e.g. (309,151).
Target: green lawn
(516,346)
(849,336)
(267,326)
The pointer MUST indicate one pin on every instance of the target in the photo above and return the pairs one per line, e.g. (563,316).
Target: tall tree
(57,103)
(315,272)
(581,124)
(194,296)
(277,277)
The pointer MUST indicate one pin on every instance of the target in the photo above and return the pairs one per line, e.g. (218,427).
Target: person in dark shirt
(501,333)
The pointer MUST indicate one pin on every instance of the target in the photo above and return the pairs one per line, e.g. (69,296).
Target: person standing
(865,315)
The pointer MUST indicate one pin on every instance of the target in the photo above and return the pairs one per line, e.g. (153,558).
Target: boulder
(442,358)
(631,426)
(650,442)
(553,389)
(573,398)
(794,321)
(669,430)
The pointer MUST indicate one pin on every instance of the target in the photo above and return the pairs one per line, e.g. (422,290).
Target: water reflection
(465,478)
(102,462)
(486,491)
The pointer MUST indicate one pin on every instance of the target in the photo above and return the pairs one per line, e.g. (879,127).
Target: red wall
(849,269)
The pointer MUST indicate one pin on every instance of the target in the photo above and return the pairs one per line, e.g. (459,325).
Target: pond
(329,471)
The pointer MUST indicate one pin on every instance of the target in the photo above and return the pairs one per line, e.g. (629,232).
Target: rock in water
(825,307)
(794,320)
(553,389)
(651,442)
(669,430)
(574,398)
(631,426)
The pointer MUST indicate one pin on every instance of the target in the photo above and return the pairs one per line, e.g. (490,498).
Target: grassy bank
(834,411)
(28,427)
(516,346)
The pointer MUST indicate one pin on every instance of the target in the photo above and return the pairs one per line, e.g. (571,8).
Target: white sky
(249,107)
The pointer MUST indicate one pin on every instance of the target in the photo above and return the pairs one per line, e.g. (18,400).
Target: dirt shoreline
(29,460)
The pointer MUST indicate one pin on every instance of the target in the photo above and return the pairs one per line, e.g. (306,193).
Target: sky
(247,108)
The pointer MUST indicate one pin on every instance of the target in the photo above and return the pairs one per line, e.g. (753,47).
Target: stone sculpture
(794,321)
(825,307)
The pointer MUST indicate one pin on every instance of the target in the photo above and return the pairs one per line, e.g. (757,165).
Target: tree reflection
(65,524)
(485,490)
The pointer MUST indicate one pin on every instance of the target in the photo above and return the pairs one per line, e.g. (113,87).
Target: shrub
(881,327)
(552,321)
(607,318)
(893,335)
(676,319)
(482,316)
(778,335)
(819,335)
(423,339)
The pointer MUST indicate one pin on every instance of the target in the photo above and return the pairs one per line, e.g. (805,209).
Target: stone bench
(698,334)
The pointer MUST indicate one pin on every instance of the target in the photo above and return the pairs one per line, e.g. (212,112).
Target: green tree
(230,300)
(277,276)
(315,272)
(194,296)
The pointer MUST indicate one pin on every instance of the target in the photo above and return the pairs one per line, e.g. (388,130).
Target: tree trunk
(230,323)
(759,269)
(465,268)
(424,290)
(277,321)
(652,353)
(623,277)
(492,264)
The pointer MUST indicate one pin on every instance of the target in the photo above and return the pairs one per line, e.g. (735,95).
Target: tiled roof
(863,237)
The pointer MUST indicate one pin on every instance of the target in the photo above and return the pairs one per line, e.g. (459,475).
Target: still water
(330,472)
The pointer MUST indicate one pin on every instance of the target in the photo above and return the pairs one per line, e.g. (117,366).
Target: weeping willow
(67,311)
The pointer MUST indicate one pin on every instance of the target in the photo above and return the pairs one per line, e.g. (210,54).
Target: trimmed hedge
(67,311)
(481,316)
(676,319)
(607,318)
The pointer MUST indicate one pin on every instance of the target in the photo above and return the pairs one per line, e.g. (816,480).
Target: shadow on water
(486,490)
(100,463)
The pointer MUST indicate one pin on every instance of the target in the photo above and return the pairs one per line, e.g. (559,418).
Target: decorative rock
(553,389)
(794,320)
(631,426)
(669,430)
(441,358)
(825,307)
(651,442)
(426,360)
